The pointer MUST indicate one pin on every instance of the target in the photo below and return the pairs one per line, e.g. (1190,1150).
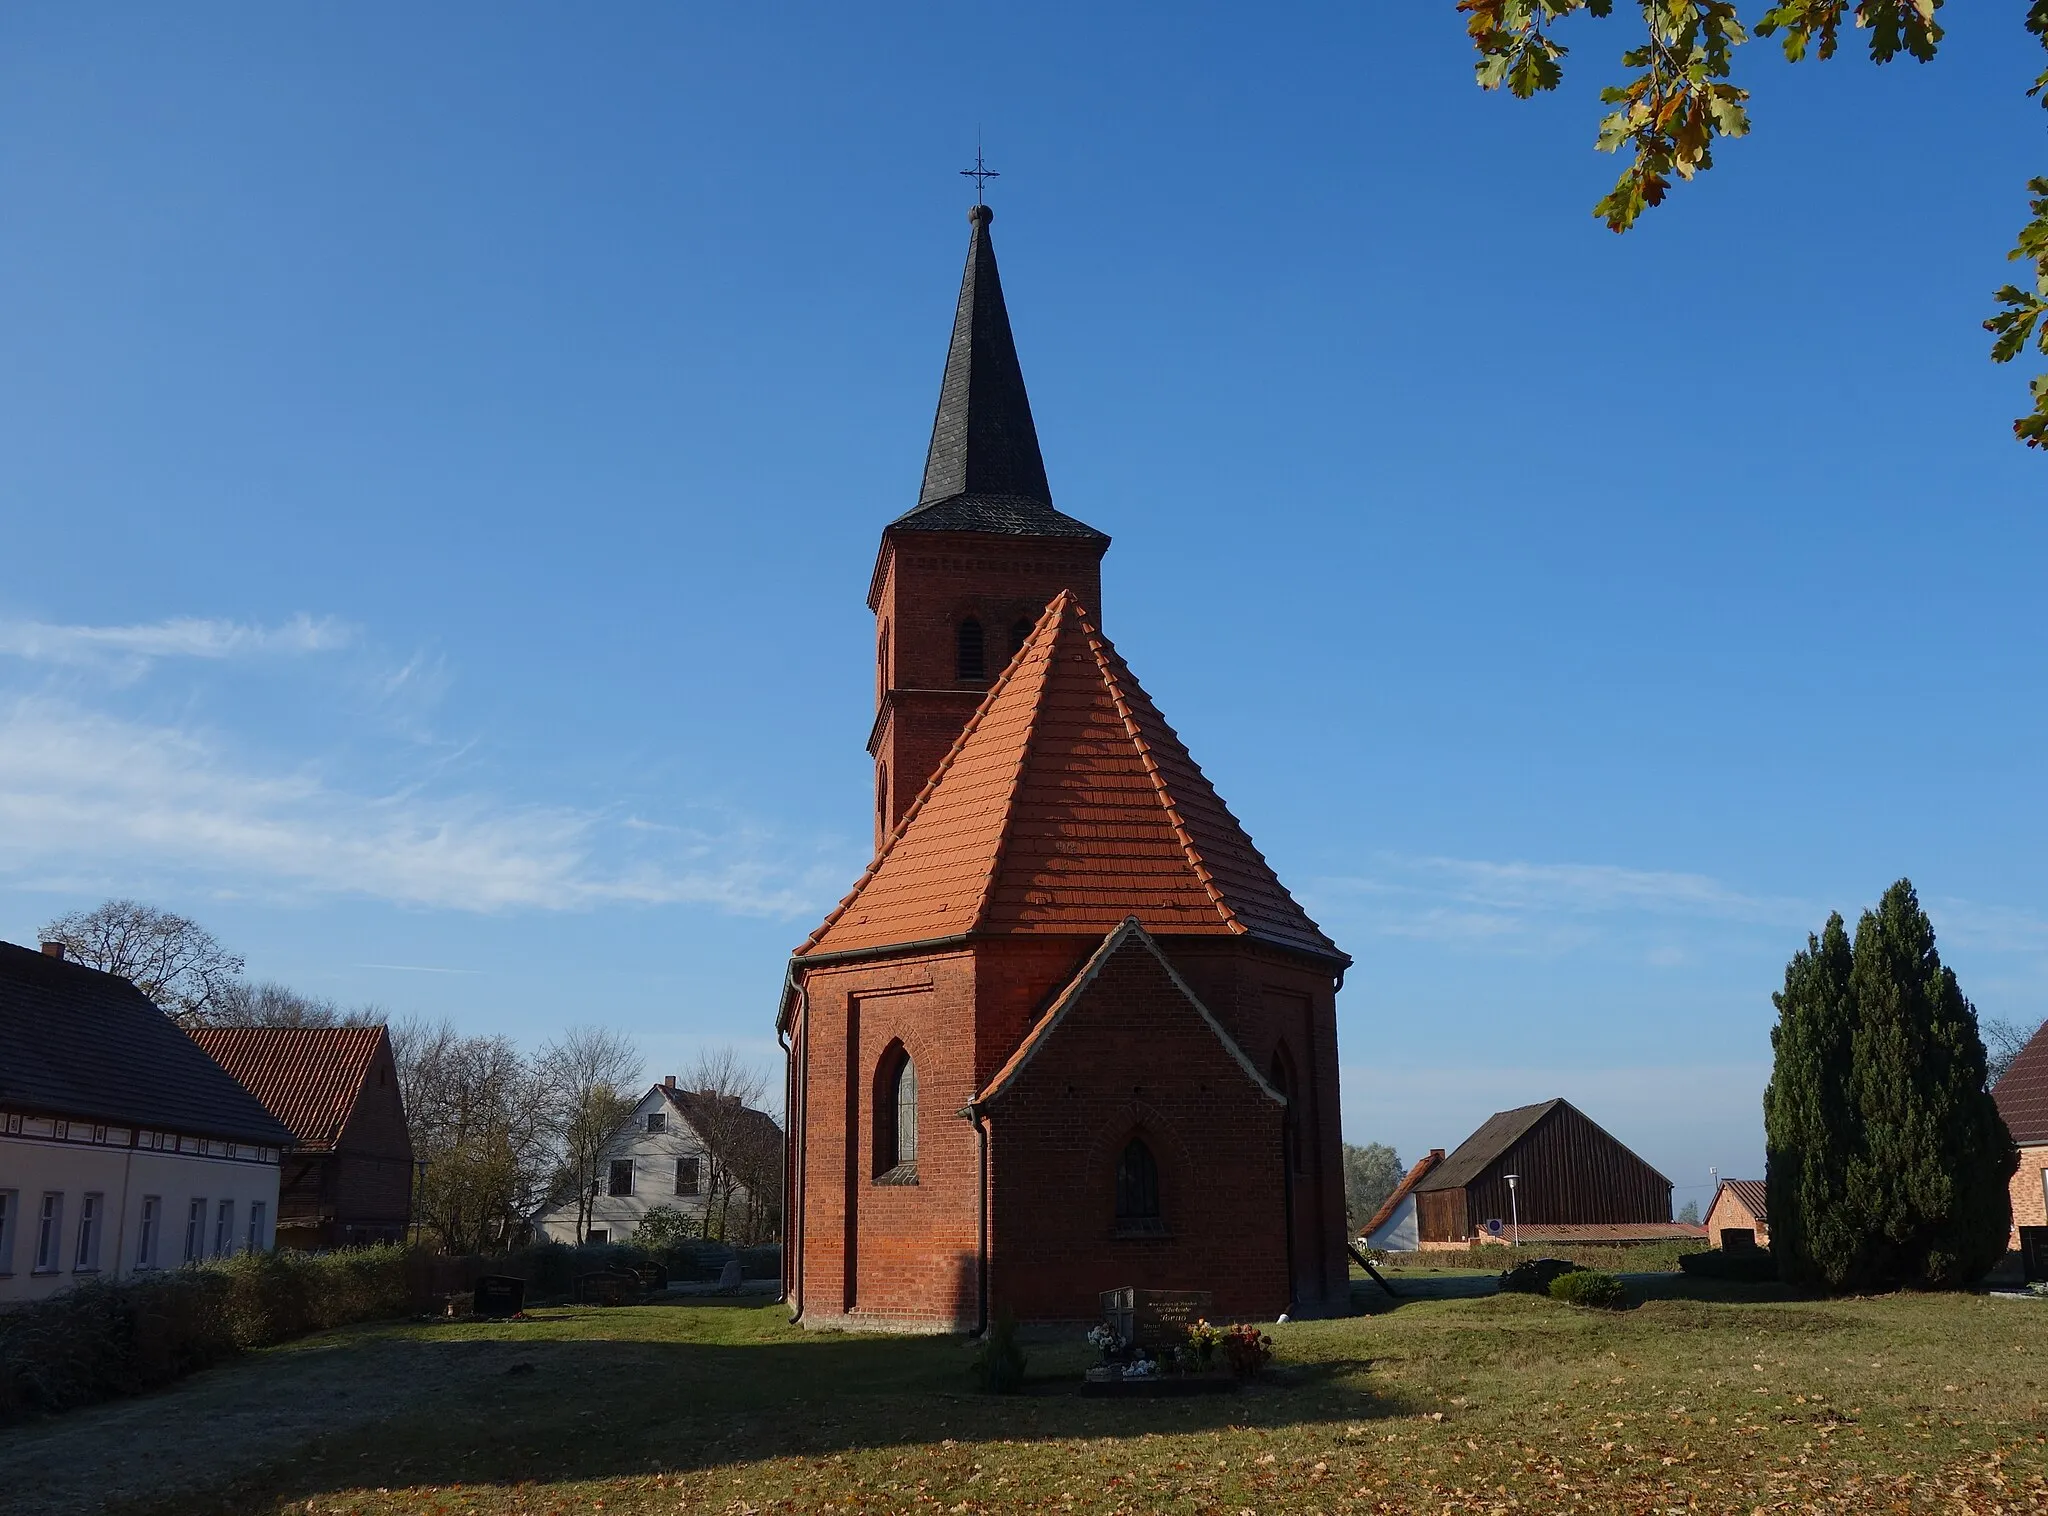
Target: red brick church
(1068,1032)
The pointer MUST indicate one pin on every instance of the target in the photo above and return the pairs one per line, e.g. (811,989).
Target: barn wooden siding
(1571,1172)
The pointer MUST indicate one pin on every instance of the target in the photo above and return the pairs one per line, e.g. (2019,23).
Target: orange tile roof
(1066,805)
(1415,1175)
(308,1077)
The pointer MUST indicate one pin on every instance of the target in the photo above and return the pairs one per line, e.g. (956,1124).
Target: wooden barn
(348,1174)
(1573,1183)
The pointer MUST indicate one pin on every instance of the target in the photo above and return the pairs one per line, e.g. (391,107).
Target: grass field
(1454,1401)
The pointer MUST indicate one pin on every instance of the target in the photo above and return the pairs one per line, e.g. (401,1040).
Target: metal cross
(979,174)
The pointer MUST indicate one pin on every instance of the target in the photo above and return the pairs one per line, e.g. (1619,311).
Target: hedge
(102,1340)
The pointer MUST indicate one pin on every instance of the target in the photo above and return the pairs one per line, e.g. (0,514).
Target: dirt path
(227,1422)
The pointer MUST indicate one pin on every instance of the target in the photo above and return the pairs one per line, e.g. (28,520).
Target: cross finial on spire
(980,173)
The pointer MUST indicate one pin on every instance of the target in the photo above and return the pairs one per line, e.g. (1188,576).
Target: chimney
(1437,1154)
(53,950)
(669,1082)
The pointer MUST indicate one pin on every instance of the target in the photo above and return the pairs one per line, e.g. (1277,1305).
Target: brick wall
(1133,1058)
(2029,1205)
(899,1255)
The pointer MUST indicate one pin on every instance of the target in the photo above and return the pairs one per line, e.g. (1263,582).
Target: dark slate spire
(984,472)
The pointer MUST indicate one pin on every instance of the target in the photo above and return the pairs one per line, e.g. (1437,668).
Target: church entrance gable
(1132,1143)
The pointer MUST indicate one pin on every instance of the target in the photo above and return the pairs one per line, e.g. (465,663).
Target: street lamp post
(1515,1207)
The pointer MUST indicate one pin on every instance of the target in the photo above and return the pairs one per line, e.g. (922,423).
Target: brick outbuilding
(2022,1098)
(1068,1031)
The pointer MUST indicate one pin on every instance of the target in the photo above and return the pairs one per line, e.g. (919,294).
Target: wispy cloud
(83,790)
(132,648)
(1518,906)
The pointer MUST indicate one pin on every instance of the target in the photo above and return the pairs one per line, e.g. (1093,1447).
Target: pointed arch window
(1282,1079)
(1020,633)
(1137,1192)
(896,1118)
(971,659)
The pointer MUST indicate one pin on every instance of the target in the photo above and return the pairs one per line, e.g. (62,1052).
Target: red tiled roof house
(1068,1032)
(2022,1099)
(348,1173)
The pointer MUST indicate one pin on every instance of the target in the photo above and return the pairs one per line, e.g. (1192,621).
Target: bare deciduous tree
(2002,1043)
(272,1004)
(480,1133)
(742,1144)
(173,960)
(589,1083)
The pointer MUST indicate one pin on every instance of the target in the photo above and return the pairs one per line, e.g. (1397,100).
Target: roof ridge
(910,812)
(1049,622)
(1105,659)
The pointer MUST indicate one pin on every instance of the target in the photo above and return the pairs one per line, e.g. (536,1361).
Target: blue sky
(442,453)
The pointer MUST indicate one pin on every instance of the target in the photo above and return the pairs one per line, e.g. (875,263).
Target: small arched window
(896,1118)
(881,803)
(1137,1191)
(1019,635)
(971,661)
(882,664)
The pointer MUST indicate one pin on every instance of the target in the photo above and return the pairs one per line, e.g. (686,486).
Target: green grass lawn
(1462,1403)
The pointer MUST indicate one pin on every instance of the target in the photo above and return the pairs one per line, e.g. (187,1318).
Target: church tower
(961,578)
(1068,1032)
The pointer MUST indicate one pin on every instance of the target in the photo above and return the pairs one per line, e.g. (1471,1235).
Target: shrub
(1591,1288)
(1247,1350)
(103,1339)
(1000,1363)
(664,1228)
(1537,1275)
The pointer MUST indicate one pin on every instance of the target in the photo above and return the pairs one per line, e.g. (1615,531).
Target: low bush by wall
(103,1340)
(1634,1258)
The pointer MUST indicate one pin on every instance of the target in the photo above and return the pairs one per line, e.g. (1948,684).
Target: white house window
(657,1122)
(598,1234)
(146,1234)
(256,1210)
(686,1175)
(195,1230)
(224,1229)
(87,1258)
(49,1232)
(621,1177)
(10,1202)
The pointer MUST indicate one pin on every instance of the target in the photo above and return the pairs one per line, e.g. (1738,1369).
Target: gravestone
(1154,1318)
(652,1276)
(729,1277)
(499,1296)
(2034,1253)
(609,1287)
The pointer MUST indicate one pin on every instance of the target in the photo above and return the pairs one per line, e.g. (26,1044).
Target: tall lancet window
(896,1118)
(970,661)
(1020,634)
(1137,1192)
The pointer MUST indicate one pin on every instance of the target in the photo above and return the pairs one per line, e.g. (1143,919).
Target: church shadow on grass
(519,1409)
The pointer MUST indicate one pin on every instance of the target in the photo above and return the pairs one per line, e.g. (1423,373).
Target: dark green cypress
(1808,1114)
(1934,1159)
(1888,1161)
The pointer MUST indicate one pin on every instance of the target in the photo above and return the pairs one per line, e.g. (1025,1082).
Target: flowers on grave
(1140,1368)
(1247,1350)
(1104,1339)
(1203,1339)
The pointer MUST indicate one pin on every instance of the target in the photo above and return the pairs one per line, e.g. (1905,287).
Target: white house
(670,1154)
(123,1147)
(1393,1227)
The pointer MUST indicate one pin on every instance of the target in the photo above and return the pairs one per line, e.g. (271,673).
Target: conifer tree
(1809,1117)
(1888,1161)
(1932,1167)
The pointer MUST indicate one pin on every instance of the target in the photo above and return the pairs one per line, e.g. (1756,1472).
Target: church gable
(1128,991)
(1067,805)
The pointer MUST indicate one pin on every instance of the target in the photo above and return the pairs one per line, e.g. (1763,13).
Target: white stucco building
(123,1147)
(672,1153)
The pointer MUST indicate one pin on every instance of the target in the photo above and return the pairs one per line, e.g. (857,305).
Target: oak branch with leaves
(1680,98)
